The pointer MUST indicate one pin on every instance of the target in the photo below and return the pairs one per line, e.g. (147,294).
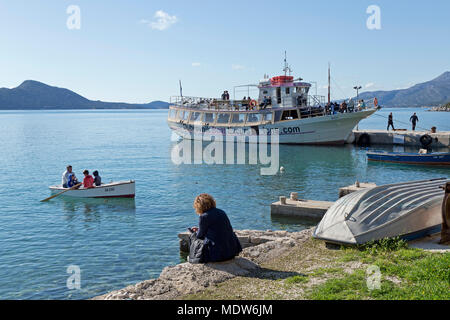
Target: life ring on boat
(253,103)
(426,140)
(363,140)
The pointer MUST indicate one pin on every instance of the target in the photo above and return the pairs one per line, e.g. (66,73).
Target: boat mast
(329,84)
(286,66)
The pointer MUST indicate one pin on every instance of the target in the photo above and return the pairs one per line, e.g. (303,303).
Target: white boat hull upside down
(329,130)
(121,189)
(408,210)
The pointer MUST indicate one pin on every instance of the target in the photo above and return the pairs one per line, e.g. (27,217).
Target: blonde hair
(203,203)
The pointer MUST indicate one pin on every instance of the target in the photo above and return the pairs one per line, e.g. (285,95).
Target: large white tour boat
(283,104)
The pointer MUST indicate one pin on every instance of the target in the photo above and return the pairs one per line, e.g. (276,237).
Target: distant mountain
(431,93)
(37,95)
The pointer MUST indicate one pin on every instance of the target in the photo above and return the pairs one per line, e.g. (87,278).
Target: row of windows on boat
(217,117)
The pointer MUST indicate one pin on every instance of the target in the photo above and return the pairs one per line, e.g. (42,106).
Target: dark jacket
(221,242)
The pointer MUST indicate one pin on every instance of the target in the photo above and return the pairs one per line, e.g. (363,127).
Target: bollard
(283,200)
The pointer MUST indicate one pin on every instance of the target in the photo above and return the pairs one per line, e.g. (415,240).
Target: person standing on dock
(390,122)
(414,119)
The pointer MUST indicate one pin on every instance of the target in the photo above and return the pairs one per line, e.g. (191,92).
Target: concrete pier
(311,209)
(405,138)
(349,189)
(300,208)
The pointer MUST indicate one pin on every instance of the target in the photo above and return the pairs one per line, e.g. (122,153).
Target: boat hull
(440,159)
(123,189)
(325,130)
(407,210)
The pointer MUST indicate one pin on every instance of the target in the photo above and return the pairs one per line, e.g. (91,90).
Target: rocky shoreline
(185,278)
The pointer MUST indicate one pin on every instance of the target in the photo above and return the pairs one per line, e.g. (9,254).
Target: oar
(58,194)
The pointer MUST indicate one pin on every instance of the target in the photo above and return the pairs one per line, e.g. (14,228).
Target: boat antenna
(329,84)
(181,90)
(286,65)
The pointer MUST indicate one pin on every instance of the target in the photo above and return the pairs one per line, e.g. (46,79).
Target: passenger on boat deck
(264,103)
(97,178)
(223,95)
(227,95)
(88,181)
(343,107)
(66,177)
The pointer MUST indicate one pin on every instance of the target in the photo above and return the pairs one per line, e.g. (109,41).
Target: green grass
(296,279)
(422,275)
(323,271)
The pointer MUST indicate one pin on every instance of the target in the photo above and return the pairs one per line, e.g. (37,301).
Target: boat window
(186,115)
(172,114)
(210,117)
(180,114)
(268,117)
(223,118)
(254,117)
(196,116)
(288,91)
(278,115)
(238,118)
(289,115)
(265,92)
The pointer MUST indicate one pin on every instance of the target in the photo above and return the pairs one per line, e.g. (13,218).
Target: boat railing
(314,104)
(214,104)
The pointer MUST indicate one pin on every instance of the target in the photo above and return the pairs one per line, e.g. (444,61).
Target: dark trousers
(413,126)
(390,123)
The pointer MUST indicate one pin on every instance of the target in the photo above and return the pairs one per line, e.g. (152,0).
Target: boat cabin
(283,91)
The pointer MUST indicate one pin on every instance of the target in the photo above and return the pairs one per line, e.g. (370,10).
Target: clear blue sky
(116,55)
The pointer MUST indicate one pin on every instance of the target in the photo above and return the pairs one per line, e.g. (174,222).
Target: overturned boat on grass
(409,210)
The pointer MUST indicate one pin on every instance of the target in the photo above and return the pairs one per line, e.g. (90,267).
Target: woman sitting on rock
(220,243)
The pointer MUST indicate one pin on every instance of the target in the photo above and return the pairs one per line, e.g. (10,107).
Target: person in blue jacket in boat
(68,178)
(220,241)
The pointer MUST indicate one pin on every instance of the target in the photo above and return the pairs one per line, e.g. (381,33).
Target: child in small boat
(88,181)
(72,180)
(97,178)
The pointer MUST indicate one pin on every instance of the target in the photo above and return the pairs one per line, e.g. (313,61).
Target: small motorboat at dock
(409,210)
(120,189)
(433,158)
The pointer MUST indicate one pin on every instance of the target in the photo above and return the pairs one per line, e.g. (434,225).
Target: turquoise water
(120,242)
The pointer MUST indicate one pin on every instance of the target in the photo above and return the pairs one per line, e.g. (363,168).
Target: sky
(137,51)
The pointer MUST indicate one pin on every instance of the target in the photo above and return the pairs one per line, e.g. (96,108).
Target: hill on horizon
(32,95)
(431,93)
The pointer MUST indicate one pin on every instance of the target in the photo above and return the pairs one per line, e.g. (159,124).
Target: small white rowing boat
(120,189)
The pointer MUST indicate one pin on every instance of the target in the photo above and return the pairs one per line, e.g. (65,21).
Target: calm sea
(121,242)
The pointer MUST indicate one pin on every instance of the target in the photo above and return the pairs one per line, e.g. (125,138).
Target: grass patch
(422,275)
(322,271)
(296,279)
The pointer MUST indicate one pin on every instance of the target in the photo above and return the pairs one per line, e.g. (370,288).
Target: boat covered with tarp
(409,210)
